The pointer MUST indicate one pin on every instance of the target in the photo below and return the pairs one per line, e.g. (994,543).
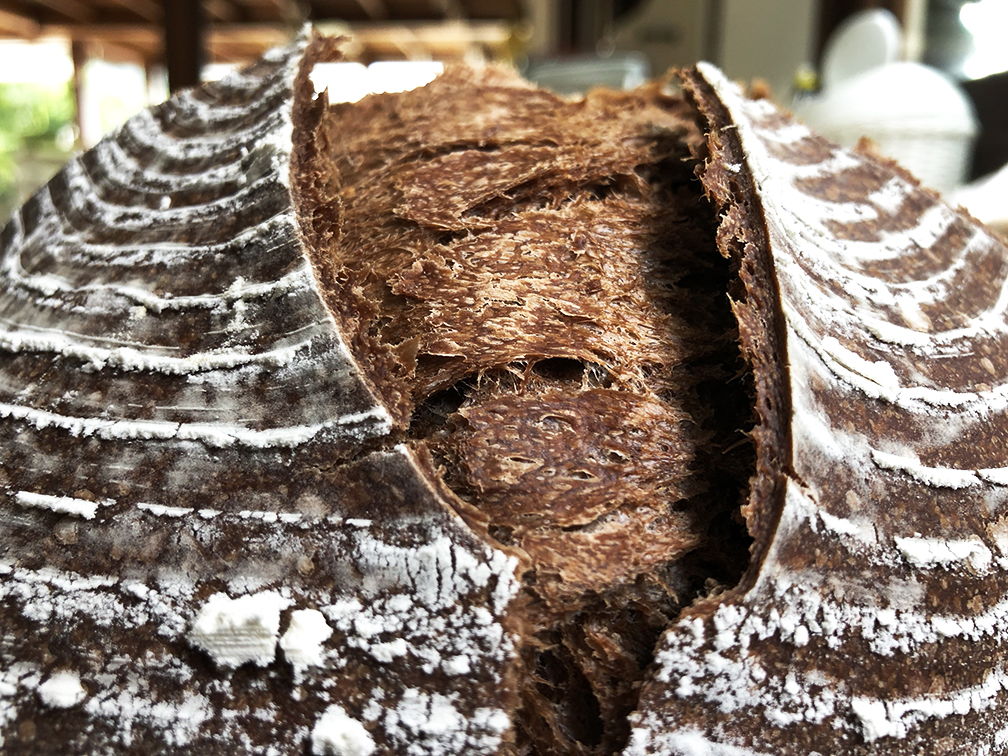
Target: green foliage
(33,112)
(31,117)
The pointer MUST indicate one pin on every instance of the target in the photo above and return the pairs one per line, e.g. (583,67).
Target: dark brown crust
(742,238)
(186,420)
(316,206)
(319,206)
(871,622)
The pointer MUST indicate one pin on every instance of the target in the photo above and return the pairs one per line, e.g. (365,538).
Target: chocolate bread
(476,420)
(536,284)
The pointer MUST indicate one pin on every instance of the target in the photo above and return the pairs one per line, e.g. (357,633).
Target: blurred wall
(670,34)
(768,39)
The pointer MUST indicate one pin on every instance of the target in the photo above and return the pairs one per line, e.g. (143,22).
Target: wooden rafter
(442,33)
(490,34)
(284,10)
(75,10)
(222,11)
(147,34)
(376,10)
(450,9)
(16,25)
(147,10)
(241,29)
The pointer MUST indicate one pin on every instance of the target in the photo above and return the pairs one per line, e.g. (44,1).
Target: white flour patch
(302,643)
(336,734)
(62,504)
(938,477)
(62,690)
(940,552)
(237,631)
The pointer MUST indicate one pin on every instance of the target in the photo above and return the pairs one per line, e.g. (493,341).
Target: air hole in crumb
(577,707)
(433,412)
(601,191)
(501,533)
(522,460)
(560,369)
(447,238)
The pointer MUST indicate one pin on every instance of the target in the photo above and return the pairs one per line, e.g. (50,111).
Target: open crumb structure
(534,285)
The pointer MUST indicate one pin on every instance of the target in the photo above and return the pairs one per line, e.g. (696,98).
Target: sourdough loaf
(475,420)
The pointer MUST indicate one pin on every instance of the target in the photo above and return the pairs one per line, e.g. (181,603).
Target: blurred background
(925,77)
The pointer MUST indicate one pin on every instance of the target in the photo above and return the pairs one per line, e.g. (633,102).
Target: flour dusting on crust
(194,469)
(868,623)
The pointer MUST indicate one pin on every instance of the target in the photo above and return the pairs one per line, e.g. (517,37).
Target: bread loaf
(476,420)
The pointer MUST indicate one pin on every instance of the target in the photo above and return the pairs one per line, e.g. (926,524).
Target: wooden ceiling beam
(145,34)
(450,9)
(127,34)
(491,33)
(243,41)
(222,11)
(17,25)
(251,35)
(147,10)
(75,10)
(120,53)
(284,10)
(409,46)
(376,10)
(476,32)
